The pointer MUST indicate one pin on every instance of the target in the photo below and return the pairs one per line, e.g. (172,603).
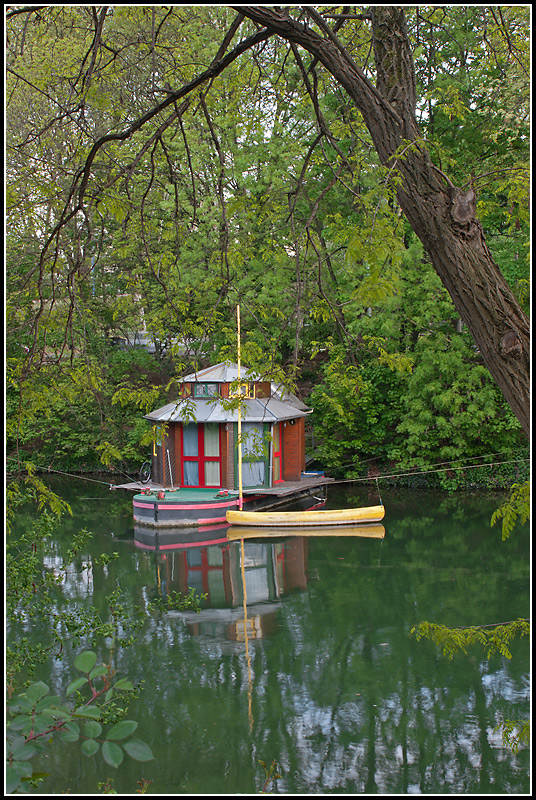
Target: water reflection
(302,653)
(243,573)
(364,531)
(243,581)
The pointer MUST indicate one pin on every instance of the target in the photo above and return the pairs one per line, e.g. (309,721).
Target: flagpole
(240,493)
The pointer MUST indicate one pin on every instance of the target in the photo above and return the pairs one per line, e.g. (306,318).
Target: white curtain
(191,473)
(212,473)
(253,473)
(253,454)
(212,440)
(190,441)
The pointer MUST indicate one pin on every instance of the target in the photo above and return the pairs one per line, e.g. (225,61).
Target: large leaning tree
(441,213)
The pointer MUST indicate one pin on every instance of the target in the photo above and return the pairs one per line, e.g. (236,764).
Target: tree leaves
(493,638)
(33,716)
(516,506)
(112,754)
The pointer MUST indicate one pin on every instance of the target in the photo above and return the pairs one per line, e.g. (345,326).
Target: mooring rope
(342,480)
(69,474)
(441,463)
(425,471)
(379,493)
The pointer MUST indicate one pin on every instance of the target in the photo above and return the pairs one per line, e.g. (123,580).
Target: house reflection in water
(226,572)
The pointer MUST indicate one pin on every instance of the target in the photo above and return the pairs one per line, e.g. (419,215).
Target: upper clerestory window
(205,389)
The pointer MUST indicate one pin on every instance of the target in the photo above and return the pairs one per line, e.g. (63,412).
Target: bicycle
(145,472)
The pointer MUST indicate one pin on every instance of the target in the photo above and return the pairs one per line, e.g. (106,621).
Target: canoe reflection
(371,531)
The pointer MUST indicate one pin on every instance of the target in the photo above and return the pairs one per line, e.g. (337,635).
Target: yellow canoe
(370,531)
(273,519)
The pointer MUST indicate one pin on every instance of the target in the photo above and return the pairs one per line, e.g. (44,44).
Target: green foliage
(452,408)
(177,601)
(417,394)
(96,701)
(517,506)
(271,776)
(34,717)
(181,227)
(351,416)
(515,734)
(493,638)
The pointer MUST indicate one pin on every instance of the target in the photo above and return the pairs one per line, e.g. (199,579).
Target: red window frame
(200,458)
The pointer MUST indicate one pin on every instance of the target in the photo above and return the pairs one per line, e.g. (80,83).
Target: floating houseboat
(195,463)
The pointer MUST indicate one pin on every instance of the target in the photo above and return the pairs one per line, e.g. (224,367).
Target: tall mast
(240,493)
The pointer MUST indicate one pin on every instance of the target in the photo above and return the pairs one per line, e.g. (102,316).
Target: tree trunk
(441,215)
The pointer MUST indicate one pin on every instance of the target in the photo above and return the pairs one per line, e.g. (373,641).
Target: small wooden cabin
(199,446)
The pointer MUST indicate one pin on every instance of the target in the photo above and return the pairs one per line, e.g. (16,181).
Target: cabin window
(205,389)
(247,390)
(254,454)
(201,460)
(211,432)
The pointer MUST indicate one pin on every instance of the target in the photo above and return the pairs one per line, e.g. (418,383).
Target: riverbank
(496,472)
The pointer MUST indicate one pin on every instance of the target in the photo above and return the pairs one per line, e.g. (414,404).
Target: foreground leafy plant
(494,638)
(517,505)
(515,734)
(34,716)
(271,776)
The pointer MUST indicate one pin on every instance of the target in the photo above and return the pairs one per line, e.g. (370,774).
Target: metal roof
(252,410)
(226,372)
(280,406)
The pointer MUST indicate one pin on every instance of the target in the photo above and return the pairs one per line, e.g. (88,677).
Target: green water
(330,684)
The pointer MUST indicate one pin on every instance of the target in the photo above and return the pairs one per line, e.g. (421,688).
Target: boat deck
(305,484)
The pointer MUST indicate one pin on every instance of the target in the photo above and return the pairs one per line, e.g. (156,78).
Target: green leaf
(98,671)
(76,684)
(35,776)
(37,690)
(124,683)
(21,723)
(14,774)
(85,661)
(21,751)
(112,754)
(123,729)
(21,703)
(138,750)
(92,729)
(88,712)
(70,732)
(90,747)
(47,702)
(57,712)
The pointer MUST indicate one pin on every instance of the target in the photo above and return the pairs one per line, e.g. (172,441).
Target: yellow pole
(248,658)
(240,497)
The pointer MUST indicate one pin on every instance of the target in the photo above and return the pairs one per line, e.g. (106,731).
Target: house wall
(178,453)
(293,455)
(162,473)
(170,468)
(293,449)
